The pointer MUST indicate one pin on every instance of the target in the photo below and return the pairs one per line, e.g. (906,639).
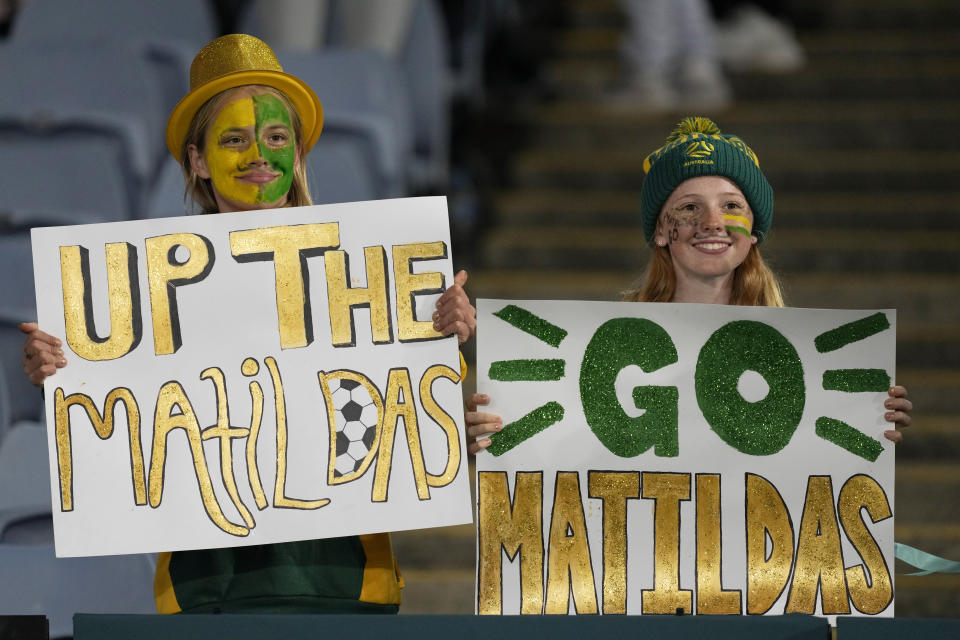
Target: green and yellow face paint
(738,224)
(246,131)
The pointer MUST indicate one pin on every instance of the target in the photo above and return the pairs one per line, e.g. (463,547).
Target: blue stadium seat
(101,103)
(166,197)
(167,33)
(362,95)
(425,62)
(34,581)
(338,171)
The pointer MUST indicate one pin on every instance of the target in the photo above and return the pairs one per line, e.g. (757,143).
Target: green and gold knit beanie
(698,148)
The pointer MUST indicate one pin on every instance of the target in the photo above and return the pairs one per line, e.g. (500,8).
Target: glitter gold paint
(510,528)
(123,299)
(288,247)
(442,418)
(819,556)
(165,274)
(226,433)
(398,403)
(103,425)
(712,598)
(614,488)
(767,572)
(279,494)
(374,393)
(342,298)
(164,421)
(870,584)
(667,490)
(256,420)
(409,284)
(569,568)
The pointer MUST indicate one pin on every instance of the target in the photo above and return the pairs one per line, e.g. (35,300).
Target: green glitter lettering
(532,324)
(851,332)
(756,428)
(616,344)
(269,110)
(856,380)
(514,370)
(843,435)
(524,428)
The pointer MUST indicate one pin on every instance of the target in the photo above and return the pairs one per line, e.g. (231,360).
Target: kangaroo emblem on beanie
(697,147)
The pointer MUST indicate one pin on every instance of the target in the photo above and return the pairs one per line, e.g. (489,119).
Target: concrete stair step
(561,206)
(842,250)
(923,75)
(605,41)
(768,125)
(825,169)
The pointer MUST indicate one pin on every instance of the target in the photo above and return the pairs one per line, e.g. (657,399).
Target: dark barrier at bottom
(260,627)
(897,628)
(24,627)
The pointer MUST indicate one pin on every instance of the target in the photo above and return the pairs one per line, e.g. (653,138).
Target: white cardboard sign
(667,457)
(250,378)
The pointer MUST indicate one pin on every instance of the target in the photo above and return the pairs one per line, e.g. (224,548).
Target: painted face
(706,223)
(250,152)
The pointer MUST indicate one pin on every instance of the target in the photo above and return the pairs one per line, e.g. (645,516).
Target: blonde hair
(201,189)
(754,284)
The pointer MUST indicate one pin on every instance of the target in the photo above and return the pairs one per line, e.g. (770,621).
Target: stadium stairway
(862,146)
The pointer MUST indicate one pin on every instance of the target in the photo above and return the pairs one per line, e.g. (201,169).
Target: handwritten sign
(249,378)
(659,458)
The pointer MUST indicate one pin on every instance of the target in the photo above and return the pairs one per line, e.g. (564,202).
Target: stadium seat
(362,95)
(102,105)
(168,34)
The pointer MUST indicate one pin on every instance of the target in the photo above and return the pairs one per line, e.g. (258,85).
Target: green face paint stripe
(532,324)
(514,370)
(526,427)
(856,380)
(851,332)
(734,229)
(843,435)
(270,110)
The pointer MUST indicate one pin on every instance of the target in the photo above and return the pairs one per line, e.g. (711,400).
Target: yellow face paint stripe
(225,163)
(741,219)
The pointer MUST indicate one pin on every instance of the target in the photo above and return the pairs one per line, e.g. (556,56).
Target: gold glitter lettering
(819,556)
(442,418)
(569,568)
(103,425)
(123,298)
(250,368)
(513,528)
(165,273)
(871,588)
(410,284)
(226,433)
(667,490)
(398,403)
(164,421)
(288,247)
(614,488)
(279,494)
(342,298)
(711,596)
(767,516)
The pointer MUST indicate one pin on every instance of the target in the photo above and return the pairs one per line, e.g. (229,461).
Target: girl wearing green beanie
(705,209)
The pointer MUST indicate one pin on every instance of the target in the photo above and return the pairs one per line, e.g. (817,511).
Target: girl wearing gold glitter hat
(241,135)
(705,208)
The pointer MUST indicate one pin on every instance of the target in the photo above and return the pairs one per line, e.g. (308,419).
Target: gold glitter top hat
(232,61)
